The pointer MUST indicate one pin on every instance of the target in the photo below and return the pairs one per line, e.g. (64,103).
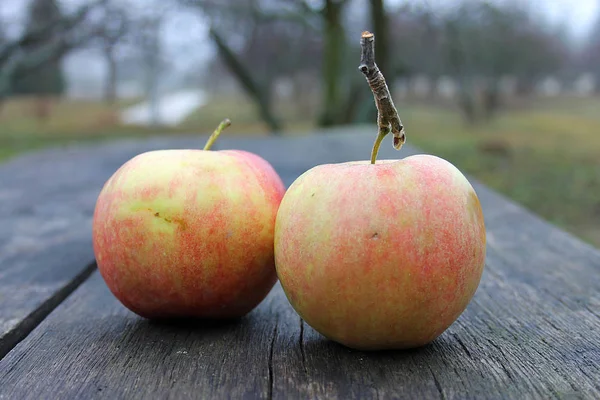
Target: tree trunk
(467,102)
(379,20)
(110,90)
(525,85)
(42,108)
(333,57)
(243,75)
(491,99)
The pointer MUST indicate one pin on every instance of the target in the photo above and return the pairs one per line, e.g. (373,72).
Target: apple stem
(377,144)
(215,135)
(388,119)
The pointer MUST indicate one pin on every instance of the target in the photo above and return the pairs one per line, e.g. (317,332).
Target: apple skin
(383,256)
(189,233)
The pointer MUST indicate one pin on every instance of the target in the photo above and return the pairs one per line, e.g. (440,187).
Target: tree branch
(387,118)
(39,35)
(14,65)
(48,55)
(245,78)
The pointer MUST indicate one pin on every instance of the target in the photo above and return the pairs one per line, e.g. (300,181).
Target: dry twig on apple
(388,119)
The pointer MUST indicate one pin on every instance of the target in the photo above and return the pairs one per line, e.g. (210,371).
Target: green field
(76,121)
(544,155)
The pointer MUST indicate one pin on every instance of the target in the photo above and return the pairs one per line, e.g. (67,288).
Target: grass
(76,121)
(544,155)
(546,158)
(22,128)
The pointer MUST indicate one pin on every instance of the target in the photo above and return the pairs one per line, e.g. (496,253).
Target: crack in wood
(461,343)
(29,323)
(270,365)
(507,372)
(301,343)
(594,313)
(501,352)
(437,384)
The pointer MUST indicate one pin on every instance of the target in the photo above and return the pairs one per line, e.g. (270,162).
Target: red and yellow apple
(189,233)
(380,256)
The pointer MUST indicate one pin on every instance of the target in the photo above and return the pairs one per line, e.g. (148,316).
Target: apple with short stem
(189,232)
(381,254)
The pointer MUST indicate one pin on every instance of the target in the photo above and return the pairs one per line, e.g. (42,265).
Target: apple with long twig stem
(380,254)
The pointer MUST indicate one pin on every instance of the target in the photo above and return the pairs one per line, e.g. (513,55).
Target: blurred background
(509,91)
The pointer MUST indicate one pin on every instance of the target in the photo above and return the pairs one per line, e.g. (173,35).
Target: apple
(189,232)
(383,255)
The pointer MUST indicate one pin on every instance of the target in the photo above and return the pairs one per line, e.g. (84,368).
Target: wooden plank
(36,283)
(45,248)
(117,355)
(531,331)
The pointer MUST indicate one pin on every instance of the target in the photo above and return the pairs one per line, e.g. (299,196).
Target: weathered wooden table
(531,331)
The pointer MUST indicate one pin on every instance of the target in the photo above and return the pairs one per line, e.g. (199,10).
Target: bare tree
(28,53)
(483,42)
(334,52)
(249,35)
(323,20)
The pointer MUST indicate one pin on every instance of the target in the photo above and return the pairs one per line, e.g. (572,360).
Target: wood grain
(45,248)
(532,330)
